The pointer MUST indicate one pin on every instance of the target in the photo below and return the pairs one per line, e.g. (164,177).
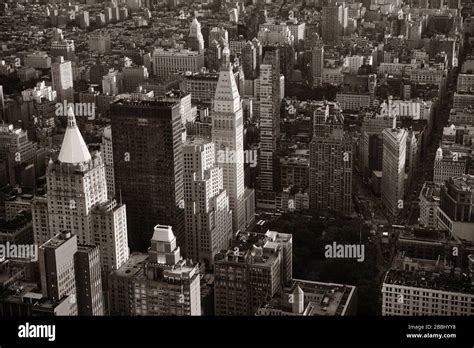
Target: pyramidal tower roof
(195,27)
(163,233)
(73,149)
(227,91)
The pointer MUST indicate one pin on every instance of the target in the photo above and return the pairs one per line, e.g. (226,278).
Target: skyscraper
(330,167)
(270,98)
(62,77)
(148,166)
(208,217)
(393,168)
(107,155)
(213,56)
(251,272)
(157,283)
(317,64)
(64,48)
(99,43)
(56,262)
(88,280)
(371,143)
(171,284)
(456,207)
(220,35)
(2,105)
(195,38)
(110,233)
(15,150)
(249,60)
(334,22)
(227,134)
(77,199)
(75,183)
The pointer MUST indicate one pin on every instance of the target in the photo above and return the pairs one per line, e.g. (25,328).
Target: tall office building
(112,83)
(84,19)
(171,284)
(195,38)
(148,166)
(75,183)
(2,105)
(252,272)
(77,202)
(134,77)
(219,34)
(334,22)
(213,56)
(448,164)
(331,160)
(206,205)
(371,143)
(62,77)
(393,168)
(100,43)
(456,207)
(227,134)
(270,98)
(249,60)
(317,64)
(157,283)
(58,34)
(56,262)
(88,280)
(15,150)
(110,233)
(108,157)
(64,48)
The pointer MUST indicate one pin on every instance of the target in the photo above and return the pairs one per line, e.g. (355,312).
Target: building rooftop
(294,161)
(57,240)
(428,274)
(16,224)
(163,233)
(133,266)
(73,149)
(463,183)
(318,299)
(423,235)
(430,191)
(151,103)
(255,248)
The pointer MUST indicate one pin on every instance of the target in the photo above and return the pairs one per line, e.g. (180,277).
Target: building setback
(157,283)
(206,204)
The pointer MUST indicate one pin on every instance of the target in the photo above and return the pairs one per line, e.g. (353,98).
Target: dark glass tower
(148,164)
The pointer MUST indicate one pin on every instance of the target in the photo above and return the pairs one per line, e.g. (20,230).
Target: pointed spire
(227,92)
(226,56)
(439,154)
(73,149)
(226,85)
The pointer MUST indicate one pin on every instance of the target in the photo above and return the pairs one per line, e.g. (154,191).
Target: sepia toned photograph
(235,164)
